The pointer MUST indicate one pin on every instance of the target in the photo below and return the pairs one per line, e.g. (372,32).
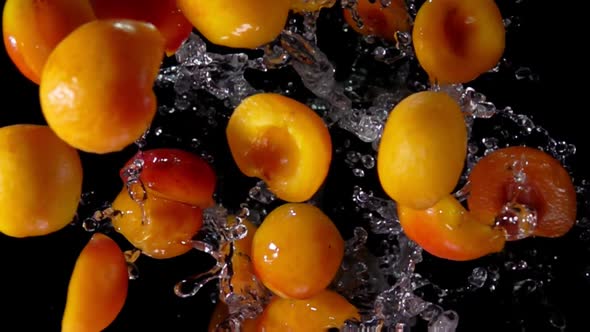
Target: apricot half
(422,149)
(32,29)
(243,24)
(380,21)
(455,40)
(176,175)
(523,178)
(96,88)
(98,287)
(281,141)
(297,251)
(323,311)
(160,228)
(448,231)
(40,181)
(162,13)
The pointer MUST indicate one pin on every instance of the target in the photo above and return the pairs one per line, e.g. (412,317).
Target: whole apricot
(40,181)
(98,287)
(96,88)
(456,41)
(281,141)
(297,251)
(380,21)
(422,149)
(32,28)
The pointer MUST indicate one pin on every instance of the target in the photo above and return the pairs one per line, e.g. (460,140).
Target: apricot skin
(379,21)
(244,24)
(31,30)
(550,190)
(448,231)
(98,287)
(40,181)
(297,251)
(167,229)
(455,41)
(96,88)
(281,141)
(422,149)
(321,312)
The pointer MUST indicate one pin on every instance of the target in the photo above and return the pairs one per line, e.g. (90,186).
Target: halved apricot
(40,181)
(380,21)
(281,141)
(297,251)
(32,29)
(176,175)
(160,228)
(323,311)
(299,6)
(96,88)
(456,40)
(448,231)
(244,24)
(422,149)
(162,13)
(98,287)
(523,178)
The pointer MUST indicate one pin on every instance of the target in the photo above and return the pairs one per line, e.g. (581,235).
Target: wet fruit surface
(379,21)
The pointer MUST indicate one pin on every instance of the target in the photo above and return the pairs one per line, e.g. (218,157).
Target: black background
(34,272)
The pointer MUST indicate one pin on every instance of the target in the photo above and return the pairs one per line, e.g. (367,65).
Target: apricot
(448,231)
(379,21)
(523,178)
(96,88)
(162,13)
(40,181)
(160,228)
(422,149)
(98,287)
(221,312)
(176,175)
(297,251)
(281,141)
(321,312)
(32,28)
(243,278)
(299,6)
(455,41)
(243,24)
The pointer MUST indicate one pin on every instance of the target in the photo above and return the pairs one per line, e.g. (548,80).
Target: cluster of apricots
(95,62)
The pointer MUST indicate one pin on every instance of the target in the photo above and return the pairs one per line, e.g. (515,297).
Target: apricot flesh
(448,231)
(32,29)
(321,312)
(244,24)
(96,88)
(422,149)
(297,251)
(455,41)
(163,229)
(97,288)
(40,181)
(379,21)
(525,176)
(281,141)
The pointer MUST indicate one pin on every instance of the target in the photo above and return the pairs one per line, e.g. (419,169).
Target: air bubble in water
(478,277)
(446,322)
(261,193)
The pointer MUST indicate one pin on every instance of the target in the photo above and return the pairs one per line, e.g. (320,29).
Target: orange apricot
(98,287)
(448,231)
(281,141)
(321,312)
(221,312)
(299,6)
(176,175)
(379,21)
(40,181)
(32,28)
(456,41)
(422,149)
(162,13)
(510,180)
(96,87)
(160,228)
(297,251)
(244,24)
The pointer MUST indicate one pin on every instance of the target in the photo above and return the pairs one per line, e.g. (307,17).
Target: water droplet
(478,277)
(358,172)
(368,161)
